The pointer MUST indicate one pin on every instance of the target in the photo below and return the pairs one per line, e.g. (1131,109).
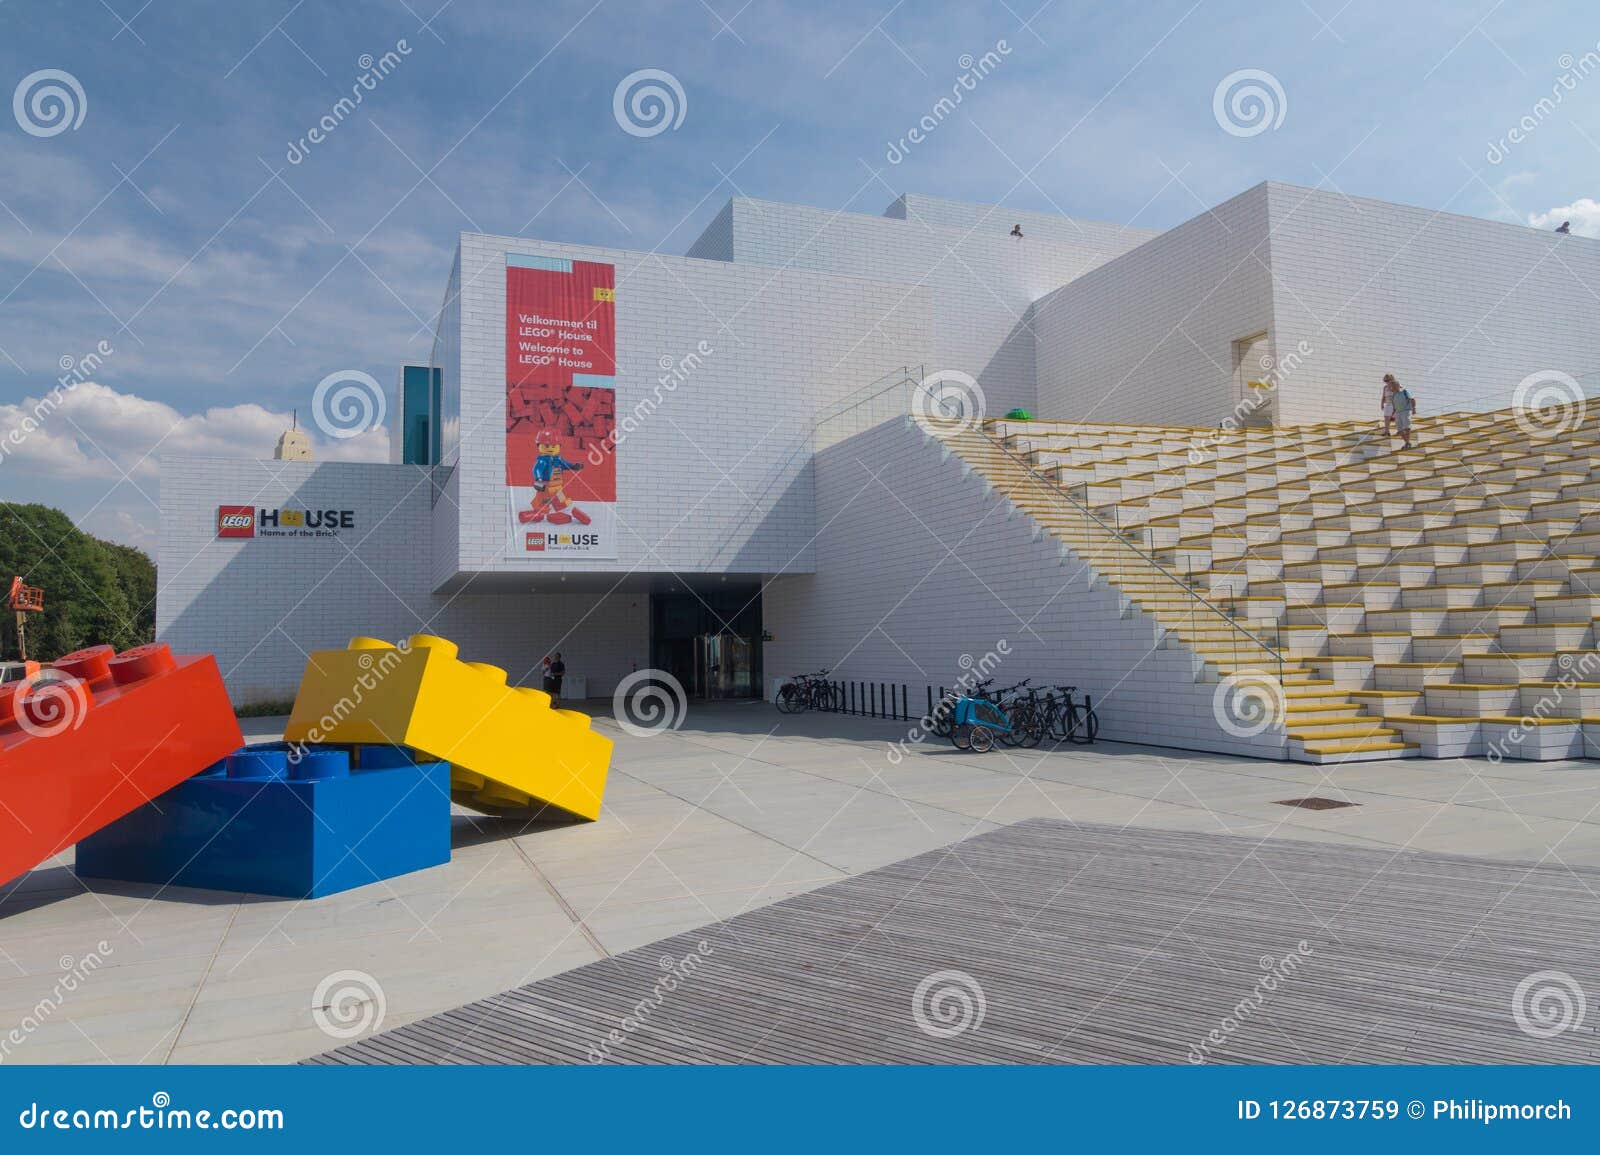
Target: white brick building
(1460,309)
(876,556)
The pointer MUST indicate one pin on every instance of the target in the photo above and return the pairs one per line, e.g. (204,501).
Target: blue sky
(227,280)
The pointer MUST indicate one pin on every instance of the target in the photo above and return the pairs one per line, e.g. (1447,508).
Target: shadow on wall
(263,622)
(746,546)
(1015,360)
(925,575)
(783,509)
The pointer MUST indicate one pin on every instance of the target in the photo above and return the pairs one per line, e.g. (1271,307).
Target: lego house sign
(240,521)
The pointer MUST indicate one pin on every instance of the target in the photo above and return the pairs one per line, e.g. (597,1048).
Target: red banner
(561,417)
(561,324)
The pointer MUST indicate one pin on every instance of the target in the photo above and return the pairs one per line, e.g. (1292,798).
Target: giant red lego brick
(98,734)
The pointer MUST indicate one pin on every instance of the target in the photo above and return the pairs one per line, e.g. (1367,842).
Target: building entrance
(709,640)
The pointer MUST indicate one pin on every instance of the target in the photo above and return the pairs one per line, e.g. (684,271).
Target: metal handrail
(913,376)
(841,419)
(870,391)
(1055,487)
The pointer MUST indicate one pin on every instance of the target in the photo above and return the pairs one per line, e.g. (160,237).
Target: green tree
(94,591)
(138,575)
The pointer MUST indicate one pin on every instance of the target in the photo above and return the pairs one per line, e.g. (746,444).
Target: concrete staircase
(1435,602)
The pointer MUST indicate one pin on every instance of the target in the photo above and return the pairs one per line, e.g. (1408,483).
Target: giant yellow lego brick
(508,749)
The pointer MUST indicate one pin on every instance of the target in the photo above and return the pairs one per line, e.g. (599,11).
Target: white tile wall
(982,281)
(966,216)
(923,570)
(713,480)
(262,605)
(1460,309)
(716,243)
(889,561)
(1149,336)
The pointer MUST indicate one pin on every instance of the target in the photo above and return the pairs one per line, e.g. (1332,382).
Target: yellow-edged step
(508,749)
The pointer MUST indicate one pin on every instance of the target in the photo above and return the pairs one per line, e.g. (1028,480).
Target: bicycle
(1024,712)
(806,692)
(941,719)
(941,722)
(1066,722)
(977,724)
(981,720)
(1049,710)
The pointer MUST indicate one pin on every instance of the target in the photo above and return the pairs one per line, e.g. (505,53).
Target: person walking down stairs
(1386,403)
(1405,406)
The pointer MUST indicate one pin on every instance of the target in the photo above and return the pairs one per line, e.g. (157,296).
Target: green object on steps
(1019,415)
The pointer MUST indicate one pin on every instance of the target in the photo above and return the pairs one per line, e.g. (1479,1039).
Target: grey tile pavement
(737,809)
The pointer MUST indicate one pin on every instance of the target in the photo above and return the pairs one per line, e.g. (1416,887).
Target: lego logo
(534,541)
(236,521)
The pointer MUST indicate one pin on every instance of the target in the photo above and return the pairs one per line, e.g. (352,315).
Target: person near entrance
(552,680)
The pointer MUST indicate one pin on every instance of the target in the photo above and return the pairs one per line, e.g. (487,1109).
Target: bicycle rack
(891,701)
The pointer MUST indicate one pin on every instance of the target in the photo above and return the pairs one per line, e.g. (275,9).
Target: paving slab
(738,809)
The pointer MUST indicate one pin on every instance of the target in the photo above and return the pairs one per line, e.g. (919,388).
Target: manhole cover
(1315,803)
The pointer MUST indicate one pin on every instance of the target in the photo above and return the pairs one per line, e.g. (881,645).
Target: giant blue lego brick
(264,822)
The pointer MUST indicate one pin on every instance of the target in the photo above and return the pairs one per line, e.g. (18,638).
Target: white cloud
(124,526)
(1584,214)
(94,433)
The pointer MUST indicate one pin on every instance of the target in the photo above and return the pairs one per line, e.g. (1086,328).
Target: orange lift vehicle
(23,600)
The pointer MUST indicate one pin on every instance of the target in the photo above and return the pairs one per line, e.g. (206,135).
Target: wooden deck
(1090,944)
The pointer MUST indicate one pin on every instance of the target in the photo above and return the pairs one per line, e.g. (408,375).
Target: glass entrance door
(724,666)
(709,639)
